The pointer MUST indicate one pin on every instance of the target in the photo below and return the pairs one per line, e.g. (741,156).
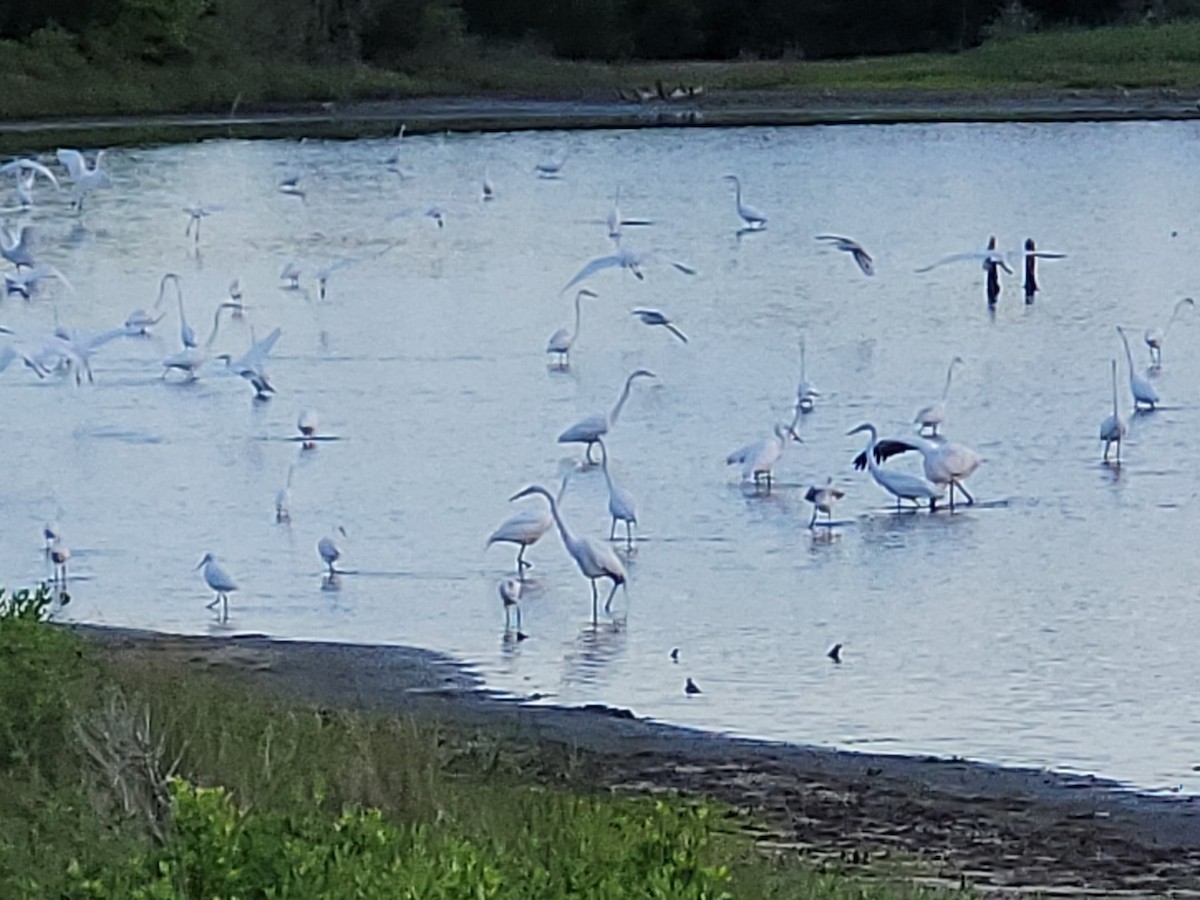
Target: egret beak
(795,436)
(207,557)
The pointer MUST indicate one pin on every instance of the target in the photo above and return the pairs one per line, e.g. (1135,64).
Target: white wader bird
(758,459)
(329,550)
(17,246)
(1114,427)
(526,528)
(946,462)
(806,391)
(754,219)
(900,485)
(562,340)
(24,172)
(197,214)
(283,500)
(190,359)
(252,365)
(861,257)
(595,559)
(510,596)
(1154,337)
(625,259)
(654,317)
(589,430)
(622,507)
(140,320)
(84,178)
(218,579)
(307,425)
(934,414)
(992,256)
(822,498)
(616,222)
(1143,391)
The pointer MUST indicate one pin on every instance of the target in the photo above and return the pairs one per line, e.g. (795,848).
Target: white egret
(758,459)
(861,257)
(290,273)
(190,359)
(806,391)
(510,596)
(197,214)
(900,485)
(615,221)
(140,320)
(73,353)
(329,550)
(25,172)
(252,364)
(1114,427)
(595,559)
(1154,337)
(18,246)
(946,462)
(527,527)
(23,185)
(220,581)
(307,425)
(622,507)
(654,317)
(992,256)
(187,335)
(84,178)
(561,341)
(625,259)
(822,498)
(283,500)
(934,414)
(589,430)
(26,283)
(755,220)
(1143,391)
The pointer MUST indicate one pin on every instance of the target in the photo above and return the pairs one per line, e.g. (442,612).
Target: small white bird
(85,178)
(510,596)
(755,220)
(220,581)
(758,459)
(329,550)
(589,430)
(561,341)
(615,221)
(934,415)
(622,506)
(822,498)
(283,500)
(290,274)
(18,246)
(307,424)
(854,248)
(1154,337)
(654,317)
(806,391)
(1143,391)
(1114,428)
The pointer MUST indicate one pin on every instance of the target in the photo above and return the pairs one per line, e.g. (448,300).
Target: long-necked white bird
(946,462)
(1154,337)
(190,359)
(934,415)
(25,171)
(624,258)
(822,498)
(84,178)
(991,255)
(562,340)
(758,459)
(622,506)
(17,246)
(861,257)
(595,559)
(1114,428)
(329,550)
(806,391)
(197,213)
(1143,391)
(526,528)
(187,335)
(900,485)
(589,430)
(654,317)
(754,219)
(220,581)
(141,320)
(510,596)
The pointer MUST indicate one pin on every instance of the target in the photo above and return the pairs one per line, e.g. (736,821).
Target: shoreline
(999,829)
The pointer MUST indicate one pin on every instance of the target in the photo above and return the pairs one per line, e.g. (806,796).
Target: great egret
(561,341)
(217,579)
(935,414)
(510,596)
(621,504)
(140,320)
(595,559)
(26,283)
(190,359)
(1143,391)
(806,391)
(589,430)
(900,485)
(329,550)
(252,364)
(758,459)
(1154,337)
(84,178)
(1114,427)
(754,219)
(822,498)
(74,353)
(526,528)
(625,259)
(25,172)
(654,317)
(861,257)
(993,256)
(283,500)
(197,214)
(946,462)
(18,246)
(187,336)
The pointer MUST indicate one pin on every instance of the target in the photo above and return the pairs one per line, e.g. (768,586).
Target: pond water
(1049,625)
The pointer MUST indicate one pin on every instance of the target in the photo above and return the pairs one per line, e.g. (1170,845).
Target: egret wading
(758,459)
(755,220)
(822,498)
(330,552)
(562,340)
(622,507)
(220,581)
(806,391)
(140,320)
(1144,394)
(1114,427)
(1154,337)
(84,178)
(934,415)
(589,430)
(526,528)
(946,463)
(900,485)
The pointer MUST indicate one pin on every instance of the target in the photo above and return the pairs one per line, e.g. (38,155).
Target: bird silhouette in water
(690,687)
(675,655)
(835,653)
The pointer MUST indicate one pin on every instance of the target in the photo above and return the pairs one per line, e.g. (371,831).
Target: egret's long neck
(946,389)
(604,467)
(1114,386)
(575,333)
(616,410)
(1128,355)
(563,531)
(216,324)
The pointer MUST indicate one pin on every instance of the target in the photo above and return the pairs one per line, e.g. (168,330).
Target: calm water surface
(1051,625)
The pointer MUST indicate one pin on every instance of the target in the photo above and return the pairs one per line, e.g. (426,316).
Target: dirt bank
(1003,831)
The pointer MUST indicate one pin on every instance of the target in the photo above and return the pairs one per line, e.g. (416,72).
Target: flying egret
(589,430)
(85,178)
(329,550)
(595,559)
(1114,427)
(74,353)
(934,414)
(510,596)
(25,172)
(622,507)
(654,317)
(561,341)
(1154,337)
(822,498)
(946,462)
(283,500)
(806,391)
(1143,391)
(190,359)
(625,259)
(252,364)
(197,214)
(861,257)
(217,579)
(26,283)
(758,459)
(900,485)
(992,256)
(18,246)
(755,220)
(140,320)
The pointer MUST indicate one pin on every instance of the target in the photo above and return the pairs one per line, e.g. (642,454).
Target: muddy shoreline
(1001,830)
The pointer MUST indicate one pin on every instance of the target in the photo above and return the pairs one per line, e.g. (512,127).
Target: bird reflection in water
(594,649)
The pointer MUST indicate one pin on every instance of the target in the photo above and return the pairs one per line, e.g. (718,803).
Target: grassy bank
(143,780)
(51,77)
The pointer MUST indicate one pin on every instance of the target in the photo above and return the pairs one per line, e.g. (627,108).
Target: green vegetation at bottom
(140,779)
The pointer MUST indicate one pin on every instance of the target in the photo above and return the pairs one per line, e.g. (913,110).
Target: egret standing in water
(562,340)
(140,320)
(758,459)
(822,499)
(595,559)
(1154,337)
(190,359)
(900,485)
(589,430)
(510,596)
(806,391)
(1114,428)
(755,220)
(621,504)
(220,581)
(934,415)
(1143,391)
(330,552)
(946,463)
(283,500)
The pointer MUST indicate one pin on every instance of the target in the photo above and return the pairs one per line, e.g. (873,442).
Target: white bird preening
(190,359)
(283,500)
(622,507)
(758,459)
(527,527)
(934,415)
(1114,428)
(625,259)
(806,391)
(595,559)
(900,485)
(822,498)
(861,257)
(589,430)
(330,552)
(1143,391)
(220,581)
(84,178)
(140,320)
(18,246)
(945,462)
(654,317)
(1154,337)
(755,220)
(561,341)
(196,214)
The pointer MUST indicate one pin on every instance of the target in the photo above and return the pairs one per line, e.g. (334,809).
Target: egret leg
(521,564)
(595,601)
(813,520)
(612,532)
(611,594)
(967,494)
(224,607)
(952,496)
(628,534)
(587,454)
(518,609)
(213,605)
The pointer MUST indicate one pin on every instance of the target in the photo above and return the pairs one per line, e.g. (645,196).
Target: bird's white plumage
(1144,393)
(934,415)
